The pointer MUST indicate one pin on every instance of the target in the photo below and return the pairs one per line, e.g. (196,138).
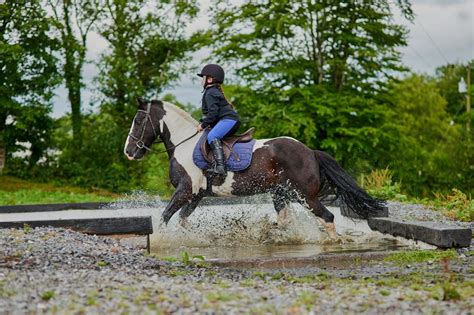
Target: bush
(379,184)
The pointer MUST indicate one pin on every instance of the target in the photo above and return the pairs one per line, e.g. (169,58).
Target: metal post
(148,243)
(468,101)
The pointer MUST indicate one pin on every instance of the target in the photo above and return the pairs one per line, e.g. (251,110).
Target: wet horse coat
(282,166)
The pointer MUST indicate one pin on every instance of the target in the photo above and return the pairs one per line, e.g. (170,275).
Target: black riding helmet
(214,71)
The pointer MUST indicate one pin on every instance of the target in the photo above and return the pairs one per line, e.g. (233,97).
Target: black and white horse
(283,167)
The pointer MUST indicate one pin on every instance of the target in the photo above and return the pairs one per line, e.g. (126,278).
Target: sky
(443,32)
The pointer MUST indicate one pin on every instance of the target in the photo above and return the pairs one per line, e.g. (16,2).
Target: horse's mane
(185,115)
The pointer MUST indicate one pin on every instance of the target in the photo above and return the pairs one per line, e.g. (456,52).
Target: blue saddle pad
(239,159)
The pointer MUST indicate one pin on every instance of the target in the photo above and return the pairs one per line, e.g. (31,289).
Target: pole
(468,101)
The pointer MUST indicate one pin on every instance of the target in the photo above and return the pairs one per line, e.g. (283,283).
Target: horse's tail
(334,177)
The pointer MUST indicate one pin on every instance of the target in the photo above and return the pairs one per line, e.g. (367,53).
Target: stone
(442,235)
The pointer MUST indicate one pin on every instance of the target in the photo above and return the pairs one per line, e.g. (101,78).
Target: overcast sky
(443,31)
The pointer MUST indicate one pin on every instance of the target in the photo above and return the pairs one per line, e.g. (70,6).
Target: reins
(139,141)
(174,146)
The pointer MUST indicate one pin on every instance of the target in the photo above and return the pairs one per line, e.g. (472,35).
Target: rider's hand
(200,128)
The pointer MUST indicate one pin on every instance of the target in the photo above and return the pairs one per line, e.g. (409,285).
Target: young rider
(218,113)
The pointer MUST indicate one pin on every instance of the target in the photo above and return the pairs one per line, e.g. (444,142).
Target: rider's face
(203,81)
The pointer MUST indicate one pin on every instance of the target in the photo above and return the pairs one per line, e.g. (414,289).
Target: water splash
(137,199)
(250,223)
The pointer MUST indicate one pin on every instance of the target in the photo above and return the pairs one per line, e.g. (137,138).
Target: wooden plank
(53,207)
(439,234)
(100,226)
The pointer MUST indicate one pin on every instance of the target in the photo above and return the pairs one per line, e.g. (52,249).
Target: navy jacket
(215,107)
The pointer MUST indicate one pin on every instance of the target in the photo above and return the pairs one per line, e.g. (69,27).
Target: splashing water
(250,224)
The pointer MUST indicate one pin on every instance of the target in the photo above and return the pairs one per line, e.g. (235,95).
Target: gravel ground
(417,212)
(49,270)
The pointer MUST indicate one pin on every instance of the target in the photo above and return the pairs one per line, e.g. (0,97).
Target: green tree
(148,49)
(447,79)
(286,44)
(28,76)
(431,154)
(73,21)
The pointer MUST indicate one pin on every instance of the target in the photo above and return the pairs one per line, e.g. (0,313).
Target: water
(246,231)
(237,253)
(240,231)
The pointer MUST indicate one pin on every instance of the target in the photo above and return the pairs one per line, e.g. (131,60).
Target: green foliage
(300,43)
(455,205)
(102,263)
(417,256)
(27,228)
(21,197)
(187,260)
(47,295)
(379,184)
(72,21)
(16,192)
(347,125)
(428,152)
(27,79)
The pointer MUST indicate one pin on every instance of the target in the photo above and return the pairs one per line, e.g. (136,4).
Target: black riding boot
(218,152)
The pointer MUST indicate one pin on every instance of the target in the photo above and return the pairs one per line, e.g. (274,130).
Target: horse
(282,166)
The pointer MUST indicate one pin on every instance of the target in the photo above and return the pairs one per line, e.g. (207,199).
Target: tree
(447,78)
(343,44)
(73,20)
(148,49)
(430,154)
(28,76)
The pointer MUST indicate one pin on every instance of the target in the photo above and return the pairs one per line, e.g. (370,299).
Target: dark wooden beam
(53,207)
(100,226)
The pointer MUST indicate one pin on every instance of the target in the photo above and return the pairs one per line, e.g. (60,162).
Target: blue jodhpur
(221,129)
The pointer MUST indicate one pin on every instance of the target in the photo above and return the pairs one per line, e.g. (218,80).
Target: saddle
(227,145)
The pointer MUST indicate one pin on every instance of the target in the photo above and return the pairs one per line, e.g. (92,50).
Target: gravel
(48,270)
(417,212)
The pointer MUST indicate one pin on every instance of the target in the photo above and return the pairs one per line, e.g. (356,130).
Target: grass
(14,191)
(417,256)
(455,204)
(47,295)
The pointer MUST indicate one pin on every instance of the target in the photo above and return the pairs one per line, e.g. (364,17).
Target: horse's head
(145,128)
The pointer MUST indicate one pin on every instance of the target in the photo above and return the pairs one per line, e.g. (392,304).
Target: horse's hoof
(282,218)
(331,230)
(184,223)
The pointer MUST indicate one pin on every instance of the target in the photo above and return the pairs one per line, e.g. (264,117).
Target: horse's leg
(188,209)
(181,196)
(322,213)
(280,202)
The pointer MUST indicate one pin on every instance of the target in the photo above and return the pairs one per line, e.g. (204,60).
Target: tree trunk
(3,149)
(74,60)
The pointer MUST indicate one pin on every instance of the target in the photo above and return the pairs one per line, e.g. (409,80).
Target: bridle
(139,141)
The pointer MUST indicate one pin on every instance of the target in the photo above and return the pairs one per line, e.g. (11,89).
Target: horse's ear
(140,101)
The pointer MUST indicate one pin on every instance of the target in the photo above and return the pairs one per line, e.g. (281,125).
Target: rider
(218,113)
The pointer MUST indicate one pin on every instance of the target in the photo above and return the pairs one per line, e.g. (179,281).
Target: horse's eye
(138,121)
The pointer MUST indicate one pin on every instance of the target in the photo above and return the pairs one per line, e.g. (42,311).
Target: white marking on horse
(226,188)
(260,143)
(128,140)
(181,126)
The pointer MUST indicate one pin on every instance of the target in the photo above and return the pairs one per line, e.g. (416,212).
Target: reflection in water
(274,251)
